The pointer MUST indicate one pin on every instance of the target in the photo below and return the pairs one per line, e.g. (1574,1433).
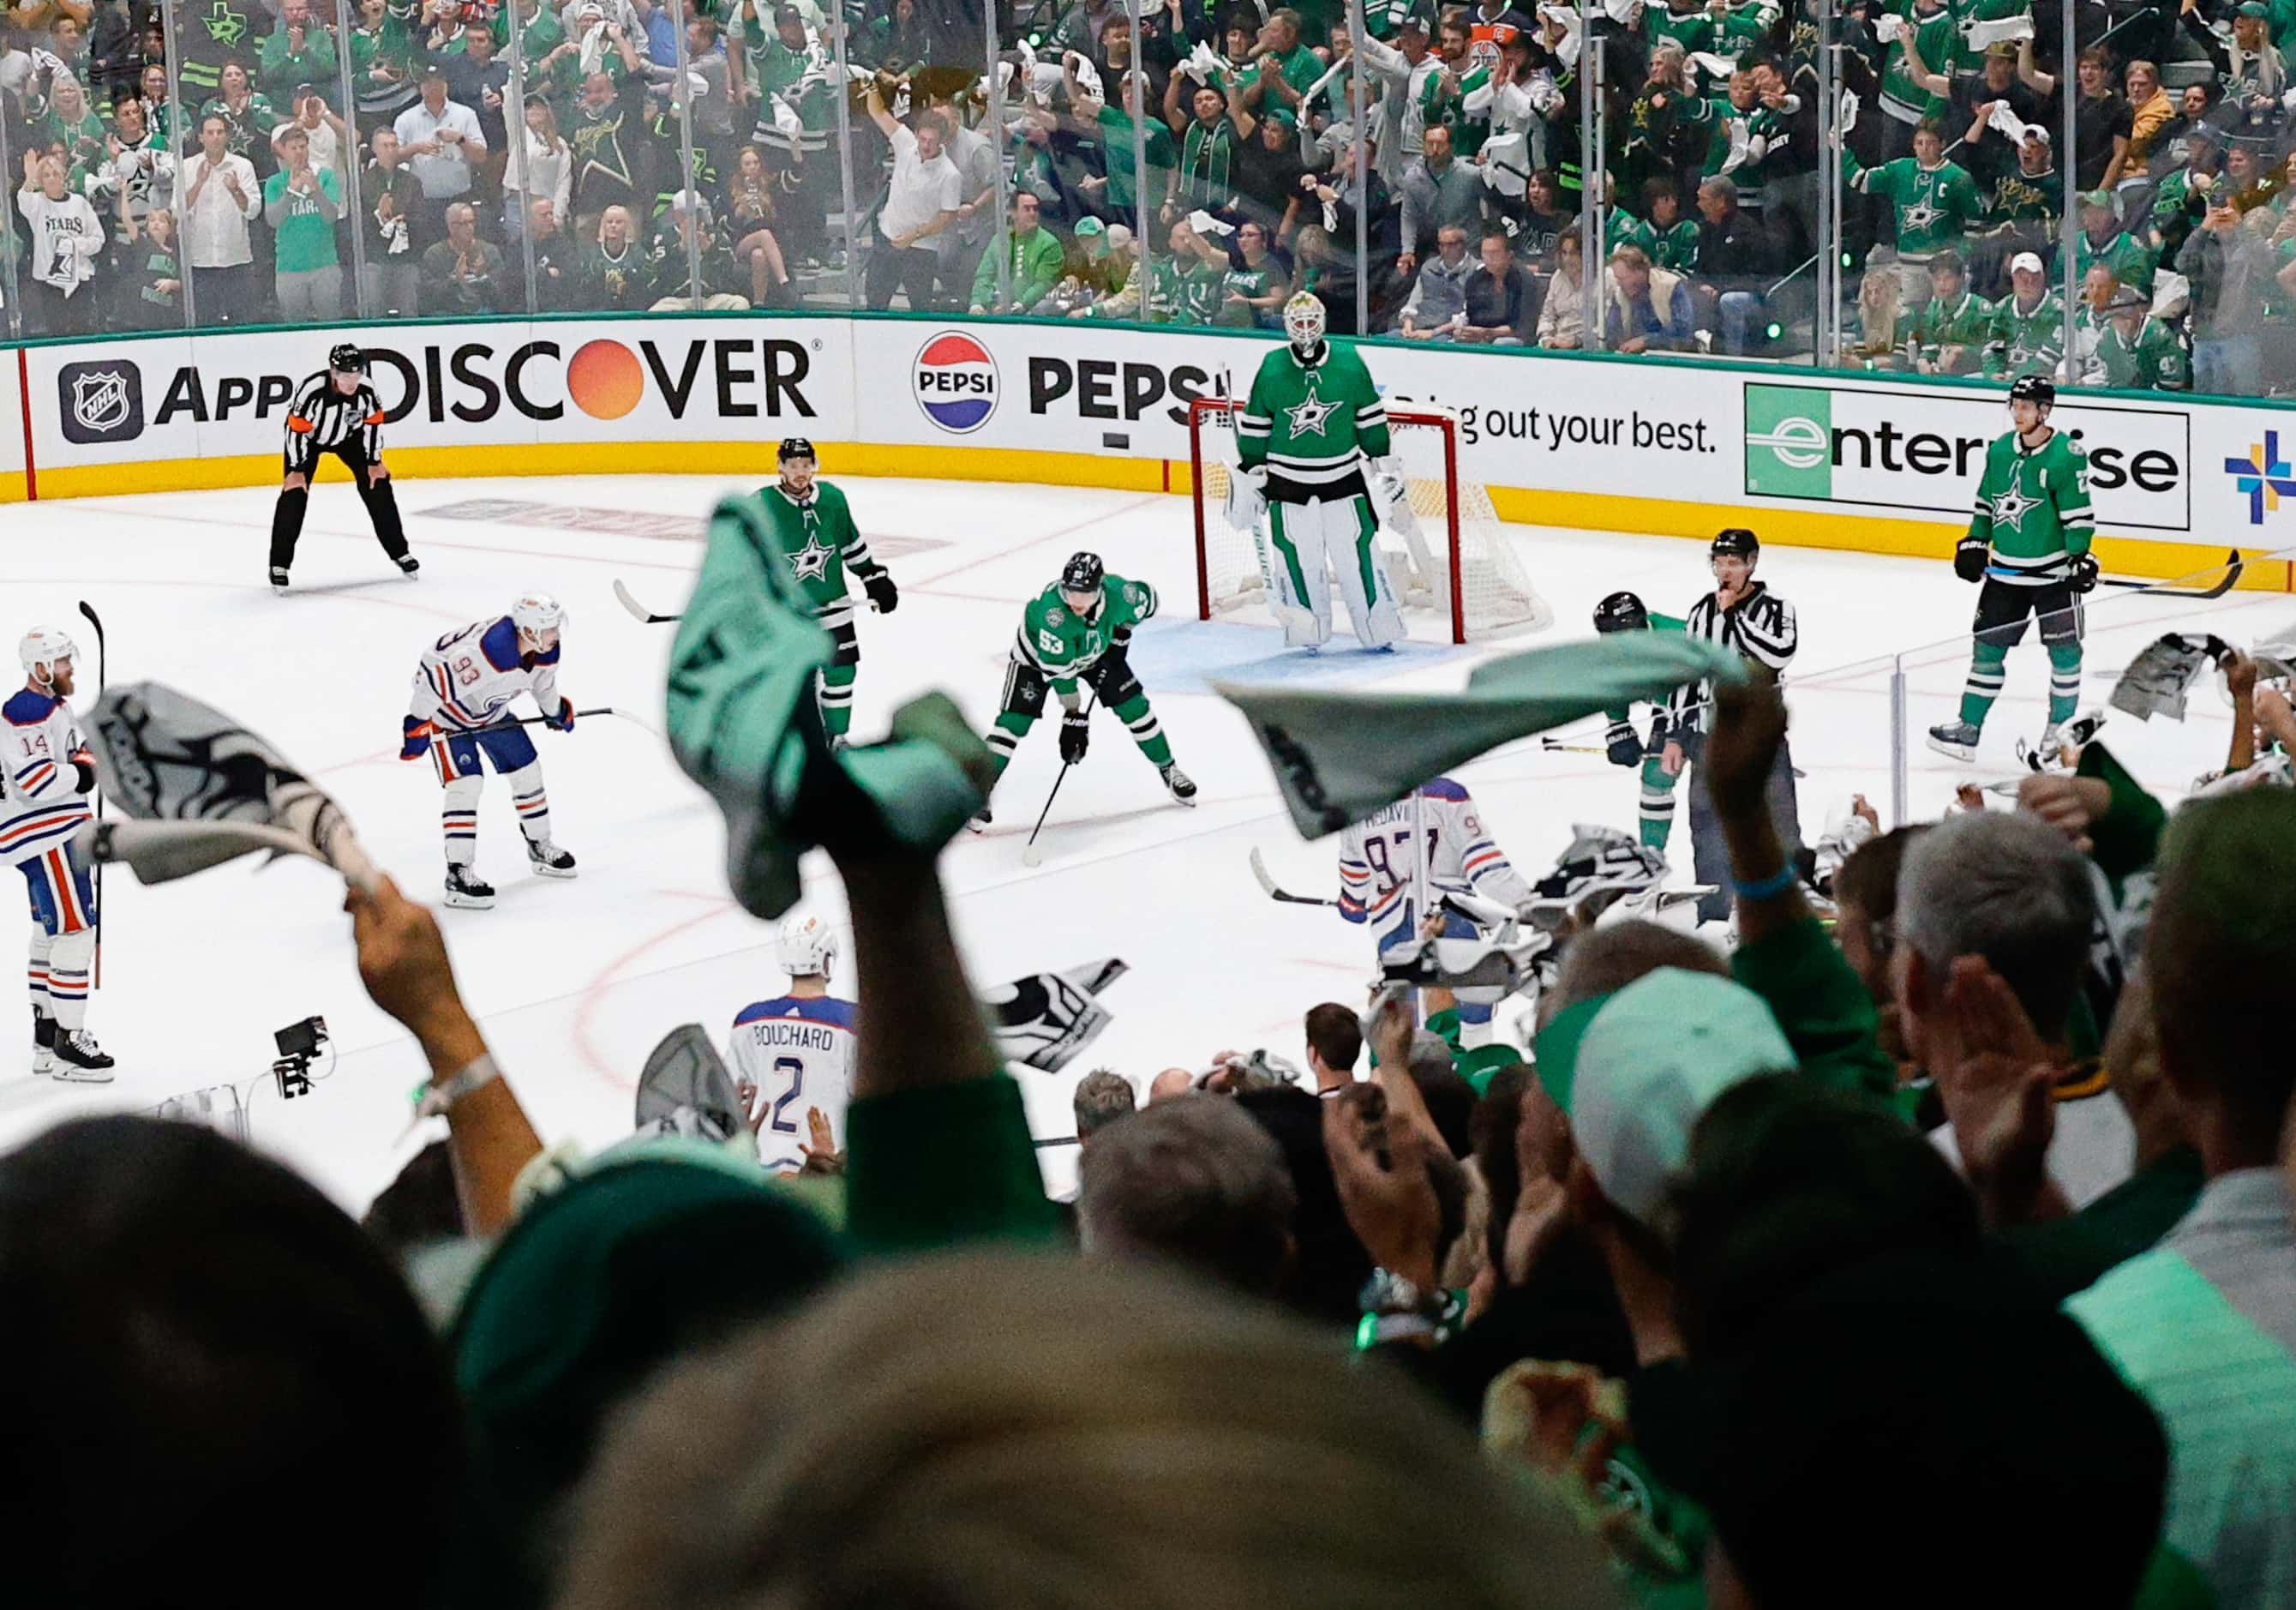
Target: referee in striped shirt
(336,411)
(1743,614)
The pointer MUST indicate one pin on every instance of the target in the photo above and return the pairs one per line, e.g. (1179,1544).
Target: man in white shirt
(926,191)
(441,142)
(319,124)
(220,197)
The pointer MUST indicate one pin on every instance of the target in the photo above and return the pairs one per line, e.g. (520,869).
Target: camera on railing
(299,1048)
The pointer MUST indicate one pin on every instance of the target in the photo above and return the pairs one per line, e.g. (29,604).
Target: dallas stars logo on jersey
(2033,509)
(811,561)
(1312,422)
(1307,416)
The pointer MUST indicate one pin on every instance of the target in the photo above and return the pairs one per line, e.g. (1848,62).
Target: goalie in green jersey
(1079,630)
(817,535)
(2028,542)
(1313,426)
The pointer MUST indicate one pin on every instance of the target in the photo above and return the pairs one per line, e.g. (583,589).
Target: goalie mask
(1303,322)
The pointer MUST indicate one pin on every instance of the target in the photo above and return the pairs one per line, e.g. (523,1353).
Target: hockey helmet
(1083,573)
(1303,321)
(43,645)
(807,946)
(795,447)
(1736,542)
(1621,612)
(535,613)
(346,358)
(2036,388)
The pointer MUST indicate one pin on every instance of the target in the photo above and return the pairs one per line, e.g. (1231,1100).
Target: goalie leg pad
(531,800)
(1303,589)
(68,963)
(1350,542)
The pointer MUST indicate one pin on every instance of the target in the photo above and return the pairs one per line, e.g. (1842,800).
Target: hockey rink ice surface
(573,982)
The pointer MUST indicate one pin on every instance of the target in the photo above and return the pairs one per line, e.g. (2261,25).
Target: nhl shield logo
(100,401)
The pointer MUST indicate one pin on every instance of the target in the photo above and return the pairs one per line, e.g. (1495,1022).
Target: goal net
(1450,563)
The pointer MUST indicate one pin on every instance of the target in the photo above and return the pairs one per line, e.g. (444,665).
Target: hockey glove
(1625,748)
(1075,733)
(564,721)
(1969,557)
(417,740)
(84,763)
(2082,576)
(884,597)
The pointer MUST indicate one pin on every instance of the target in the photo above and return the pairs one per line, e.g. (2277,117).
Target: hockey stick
(2232,567)
(638,610)
(1268,887)
(1030,856)
(1555,746)
(96,622)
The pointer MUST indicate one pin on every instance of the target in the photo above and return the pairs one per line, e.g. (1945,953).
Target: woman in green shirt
(1252,293)
(68,121)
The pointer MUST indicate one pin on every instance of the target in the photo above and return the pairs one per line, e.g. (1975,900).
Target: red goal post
(1449,557)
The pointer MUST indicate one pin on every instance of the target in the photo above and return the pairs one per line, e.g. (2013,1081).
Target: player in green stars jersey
(817,534)
(1624,612)
(1079,629)
(1313,426)
(2028,542)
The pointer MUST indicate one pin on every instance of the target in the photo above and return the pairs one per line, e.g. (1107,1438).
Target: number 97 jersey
(798,1051)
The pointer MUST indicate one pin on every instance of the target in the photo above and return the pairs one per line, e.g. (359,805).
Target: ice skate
(279,579)
(548,860)
(1956,739)
(1183,787)
(44,1045)
(78,1060)
(465,888)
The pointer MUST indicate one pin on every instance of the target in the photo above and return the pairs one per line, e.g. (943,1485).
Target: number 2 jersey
(467,678)
(797,1051)
(1379,860)
(40,802)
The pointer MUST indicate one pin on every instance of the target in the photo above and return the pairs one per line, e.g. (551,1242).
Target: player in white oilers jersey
(463,687)
(45,786)
(337,412)
(1379,876)
(794,1053)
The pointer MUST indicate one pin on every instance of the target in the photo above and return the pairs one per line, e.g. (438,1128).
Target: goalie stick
(644,616)
(96,624)
(2232,568)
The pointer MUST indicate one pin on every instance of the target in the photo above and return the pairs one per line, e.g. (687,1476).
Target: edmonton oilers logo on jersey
(956,382)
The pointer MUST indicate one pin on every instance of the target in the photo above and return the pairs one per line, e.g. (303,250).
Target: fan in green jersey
(1625,612)
(1079,631)
(2028,542)
(2137,351)
(1932,201)
(1313,425)
(816,532)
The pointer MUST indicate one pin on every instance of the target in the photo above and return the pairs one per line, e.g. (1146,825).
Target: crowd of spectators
(1231,138)
(1962,1178)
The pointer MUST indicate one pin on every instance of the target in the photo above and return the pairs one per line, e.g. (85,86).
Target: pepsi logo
(956,382)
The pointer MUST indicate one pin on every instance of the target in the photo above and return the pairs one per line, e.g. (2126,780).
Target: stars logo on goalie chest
(1307,417)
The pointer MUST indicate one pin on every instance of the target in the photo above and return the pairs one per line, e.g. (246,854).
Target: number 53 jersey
(798,1051)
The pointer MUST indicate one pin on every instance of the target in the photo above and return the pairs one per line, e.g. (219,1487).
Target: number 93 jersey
(467,678)
(798,1051)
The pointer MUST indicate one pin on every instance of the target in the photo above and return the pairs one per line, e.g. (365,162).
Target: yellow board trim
(1778,524)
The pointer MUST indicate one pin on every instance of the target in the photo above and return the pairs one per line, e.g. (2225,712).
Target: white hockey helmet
(1303,321)
(538,613)
(45,645)
(807,946)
